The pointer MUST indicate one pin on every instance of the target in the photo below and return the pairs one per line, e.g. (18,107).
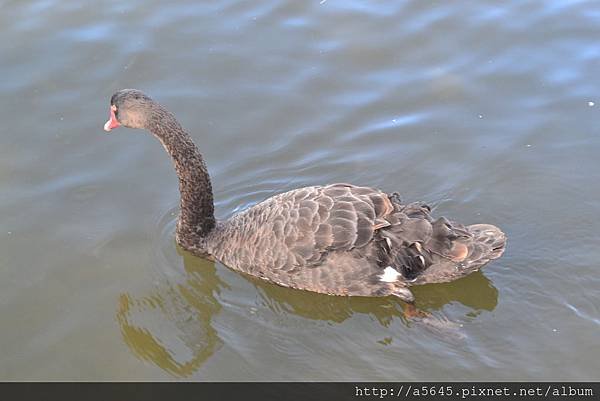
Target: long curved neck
(197,208)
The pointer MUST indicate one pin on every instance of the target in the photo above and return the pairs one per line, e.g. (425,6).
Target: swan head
(129,108)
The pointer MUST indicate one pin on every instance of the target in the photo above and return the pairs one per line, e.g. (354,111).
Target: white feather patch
(389,275)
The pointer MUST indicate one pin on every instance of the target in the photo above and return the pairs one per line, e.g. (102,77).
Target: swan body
(337,239)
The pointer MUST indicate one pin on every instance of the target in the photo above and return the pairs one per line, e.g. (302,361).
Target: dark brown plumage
(337,239)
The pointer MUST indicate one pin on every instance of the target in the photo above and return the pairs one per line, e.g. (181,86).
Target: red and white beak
(112,121)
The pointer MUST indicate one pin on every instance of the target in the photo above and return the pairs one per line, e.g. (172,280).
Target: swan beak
(112,121)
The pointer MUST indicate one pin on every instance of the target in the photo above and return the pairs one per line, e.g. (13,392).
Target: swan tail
(484,244)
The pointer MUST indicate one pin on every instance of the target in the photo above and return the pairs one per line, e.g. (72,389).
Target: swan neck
(196,218)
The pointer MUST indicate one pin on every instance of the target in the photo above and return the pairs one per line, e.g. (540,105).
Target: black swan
(336,239)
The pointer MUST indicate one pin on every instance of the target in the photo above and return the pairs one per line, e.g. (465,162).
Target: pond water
(488,111)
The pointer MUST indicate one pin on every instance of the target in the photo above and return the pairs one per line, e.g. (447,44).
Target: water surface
(488,111)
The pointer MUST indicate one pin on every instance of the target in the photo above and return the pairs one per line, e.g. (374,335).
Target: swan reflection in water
(173,326)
